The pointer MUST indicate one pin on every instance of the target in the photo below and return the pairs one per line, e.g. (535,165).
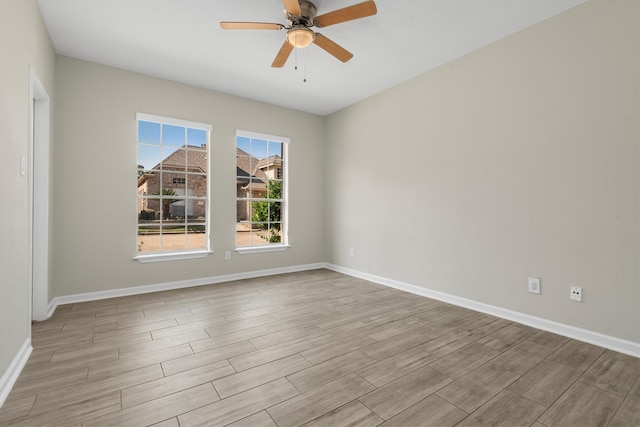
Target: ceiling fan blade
(283,55)
(349,13)
(333,48)
(292,7)
(250,26)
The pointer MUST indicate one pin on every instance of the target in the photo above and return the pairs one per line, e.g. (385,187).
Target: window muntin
(261,190)
(173,191)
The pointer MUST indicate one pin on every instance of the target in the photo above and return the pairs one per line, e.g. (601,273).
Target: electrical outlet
(227,256)
(352,252)
(534,285)
(576,293)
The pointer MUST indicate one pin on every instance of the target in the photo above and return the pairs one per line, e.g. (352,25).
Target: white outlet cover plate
(575,293)
(534,285)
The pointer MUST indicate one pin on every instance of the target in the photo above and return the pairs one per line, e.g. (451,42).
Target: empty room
(322,213)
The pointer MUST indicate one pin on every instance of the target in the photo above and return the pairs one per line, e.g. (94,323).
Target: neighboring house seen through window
(173,192)
(261,189)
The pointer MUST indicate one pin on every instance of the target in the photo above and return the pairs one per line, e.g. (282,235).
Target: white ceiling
(181,40)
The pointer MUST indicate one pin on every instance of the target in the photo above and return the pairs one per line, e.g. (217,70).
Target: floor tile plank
(241,381)
(582,405)
(240,406)
(462,361)
(319,401)
(396,366)
(507,409)
(261,419)
(192,361)
(613,372)
(545,382)
(350,415)
(630,408)
(430,412)
(478,386)
(330,370)
(159,409)
(146,391)
(60,398)
(398,395)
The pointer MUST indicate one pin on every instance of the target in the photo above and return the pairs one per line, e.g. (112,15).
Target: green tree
(268,213)
(167,201)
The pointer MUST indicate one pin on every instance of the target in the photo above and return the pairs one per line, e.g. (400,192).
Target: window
(173,192)
(261,189)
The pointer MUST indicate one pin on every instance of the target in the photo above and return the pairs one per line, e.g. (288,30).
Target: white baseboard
(167,286)
(606,341)
(11,374)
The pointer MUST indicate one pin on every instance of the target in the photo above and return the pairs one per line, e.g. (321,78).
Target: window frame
(284,208)
(171,255)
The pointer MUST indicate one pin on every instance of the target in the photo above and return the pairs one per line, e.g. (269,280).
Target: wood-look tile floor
(315,348)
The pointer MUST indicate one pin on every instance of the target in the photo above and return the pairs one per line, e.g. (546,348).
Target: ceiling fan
(301,16)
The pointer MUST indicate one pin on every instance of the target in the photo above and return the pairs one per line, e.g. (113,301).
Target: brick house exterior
(185,172)
(252,176)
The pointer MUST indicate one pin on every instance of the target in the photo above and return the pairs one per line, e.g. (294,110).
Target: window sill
(171,256)
(260,249)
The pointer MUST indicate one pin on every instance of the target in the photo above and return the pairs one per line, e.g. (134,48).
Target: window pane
(275,149)
(258,148)
(196,159)
(274,189)
(275,211)
(258,189)
(196,241)
(149,238)
(173,158)
(198,219)
(173,135)
(259,234)
(151,208)
(244,144)
(274,235)
(148,132)
(173,240)
(200,212)
(243,234)
(149,157)
(196,137)
(197,182)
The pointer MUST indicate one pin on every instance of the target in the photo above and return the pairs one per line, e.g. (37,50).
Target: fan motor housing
(309,11)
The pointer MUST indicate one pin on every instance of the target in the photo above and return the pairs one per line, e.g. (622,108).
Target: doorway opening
(38,175)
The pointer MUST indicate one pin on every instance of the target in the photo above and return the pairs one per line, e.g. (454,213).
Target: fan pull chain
(304,68)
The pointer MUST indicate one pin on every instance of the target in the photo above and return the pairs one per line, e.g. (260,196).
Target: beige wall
(23,42)
(520,159)
(95,191)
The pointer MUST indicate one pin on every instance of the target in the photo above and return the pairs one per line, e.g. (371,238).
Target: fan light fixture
(301,16)
(300,37)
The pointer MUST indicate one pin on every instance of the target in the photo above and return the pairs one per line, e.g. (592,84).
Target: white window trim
(171,121)
(180,255)
(258,249)
(171,256)
(245,250)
